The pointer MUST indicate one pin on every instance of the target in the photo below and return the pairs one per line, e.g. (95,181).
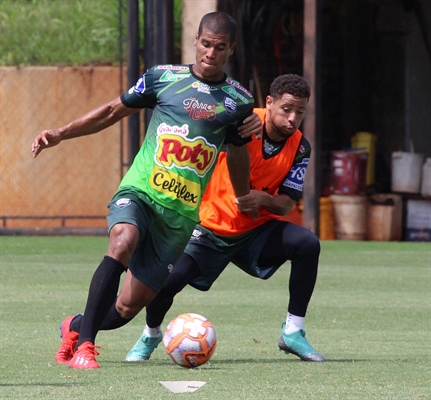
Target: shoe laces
(89,350)
(68,345)
(71,340)
(67,348)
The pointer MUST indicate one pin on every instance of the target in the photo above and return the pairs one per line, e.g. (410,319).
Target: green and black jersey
(191,120)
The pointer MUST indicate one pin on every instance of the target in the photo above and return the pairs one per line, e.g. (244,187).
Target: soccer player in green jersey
(196,110)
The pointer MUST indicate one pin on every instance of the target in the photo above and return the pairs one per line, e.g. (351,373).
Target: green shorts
(213,253)
(163,235)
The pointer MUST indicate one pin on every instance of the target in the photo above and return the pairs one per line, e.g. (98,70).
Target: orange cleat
(68,342)
(84,357)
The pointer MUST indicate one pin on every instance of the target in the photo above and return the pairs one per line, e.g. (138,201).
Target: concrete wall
(193,11)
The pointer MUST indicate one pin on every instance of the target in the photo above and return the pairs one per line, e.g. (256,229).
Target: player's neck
(272,134)
(213,78)
(271,148)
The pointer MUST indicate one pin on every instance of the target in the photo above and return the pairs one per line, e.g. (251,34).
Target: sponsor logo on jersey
(234,94)
(174,67)
(175,186)
(123,203)
(295,177)
(139,86)
(202,87)
(229,105)
(176,150)
(301,149)
(238,86)
(169,76)
(198,110)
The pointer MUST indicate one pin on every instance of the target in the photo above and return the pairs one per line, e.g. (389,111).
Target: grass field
(370,316)
(69,32)
(59,32)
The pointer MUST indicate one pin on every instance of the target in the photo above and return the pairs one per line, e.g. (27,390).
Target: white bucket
(406,172)
(426,178)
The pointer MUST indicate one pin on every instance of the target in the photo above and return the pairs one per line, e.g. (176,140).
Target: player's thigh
(284,242)
(127,225)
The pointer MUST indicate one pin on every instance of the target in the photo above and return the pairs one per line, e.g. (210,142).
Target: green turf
(370,316)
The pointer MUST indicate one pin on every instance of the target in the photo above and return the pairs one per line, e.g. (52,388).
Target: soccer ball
(190,340)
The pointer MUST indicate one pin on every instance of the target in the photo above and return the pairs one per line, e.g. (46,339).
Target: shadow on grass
(215,363)
(71,384)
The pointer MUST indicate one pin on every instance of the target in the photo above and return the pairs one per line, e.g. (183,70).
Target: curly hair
(219,23)
(292,84)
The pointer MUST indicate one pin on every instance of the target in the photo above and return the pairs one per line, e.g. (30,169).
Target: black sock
(113,319)
(101,295)
(184,271)
(75,325)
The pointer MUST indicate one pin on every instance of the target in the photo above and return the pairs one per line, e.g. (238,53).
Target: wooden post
(311,125)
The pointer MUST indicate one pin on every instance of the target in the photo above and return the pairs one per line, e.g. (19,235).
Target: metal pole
(121,63)
(133,73)
(158,32)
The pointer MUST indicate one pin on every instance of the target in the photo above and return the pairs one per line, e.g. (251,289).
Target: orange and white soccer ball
(190,340)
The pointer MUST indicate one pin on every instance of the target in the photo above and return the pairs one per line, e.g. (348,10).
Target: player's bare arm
(252,126)
(280,204)
(238,162)
(94,121)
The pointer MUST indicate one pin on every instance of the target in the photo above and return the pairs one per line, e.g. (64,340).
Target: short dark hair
(292,84)
(219,23)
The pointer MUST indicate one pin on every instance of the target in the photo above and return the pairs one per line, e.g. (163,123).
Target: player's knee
(123,239)
(127,311)
(308,244)
(314,243)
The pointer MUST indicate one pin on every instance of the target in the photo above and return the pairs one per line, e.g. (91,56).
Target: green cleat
(297,344)
(143,348)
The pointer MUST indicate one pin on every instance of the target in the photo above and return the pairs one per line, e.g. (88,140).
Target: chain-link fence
(65,188)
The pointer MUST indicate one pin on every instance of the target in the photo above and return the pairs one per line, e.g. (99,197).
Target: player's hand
(250,203)
(45,139)
(252,126)
(253,213)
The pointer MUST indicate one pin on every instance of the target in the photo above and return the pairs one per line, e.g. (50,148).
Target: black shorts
(213,253)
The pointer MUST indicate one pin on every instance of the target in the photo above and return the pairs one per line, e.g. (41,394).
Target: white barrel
(406,172)
(426,178)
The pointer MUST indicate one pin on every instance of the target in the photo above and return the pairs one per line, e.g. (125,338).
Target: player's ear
(232,48)
(269,101)
(196,39)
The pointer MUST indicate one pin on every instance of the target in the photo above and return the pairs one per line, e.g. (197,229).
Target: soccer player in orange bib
(259,246)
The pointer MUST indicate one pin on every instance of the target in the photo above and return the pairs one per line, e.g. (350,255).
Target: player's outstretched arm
(94,121)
